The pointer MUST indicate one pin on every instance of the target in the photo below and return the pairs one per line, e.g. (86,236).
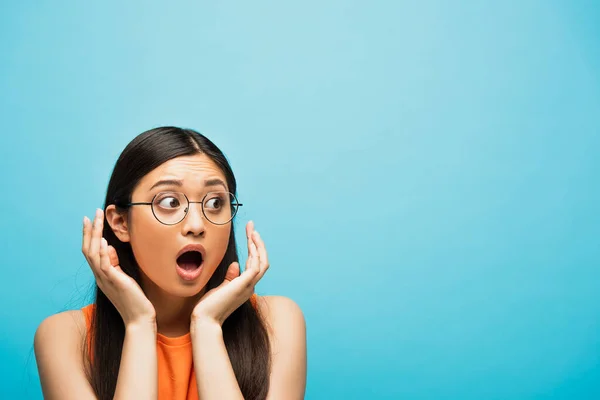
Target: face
(156,245)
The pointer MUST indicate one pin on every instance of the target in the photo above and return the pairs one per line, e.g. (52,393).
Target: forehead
(193,170)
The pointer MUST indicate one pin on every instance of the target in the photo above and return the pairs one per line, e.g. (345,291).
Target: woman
(173,317)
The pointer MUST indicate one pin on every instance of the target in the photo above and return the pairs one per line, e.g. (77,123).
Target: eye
(169,202)
(214,203)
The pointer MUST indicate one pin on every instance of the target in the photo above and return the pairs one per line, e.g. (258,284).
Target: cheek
(217,246)
(150,248)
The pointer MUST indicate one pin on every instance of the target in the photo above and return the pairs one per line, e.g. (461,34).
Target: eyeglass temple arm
(148,204)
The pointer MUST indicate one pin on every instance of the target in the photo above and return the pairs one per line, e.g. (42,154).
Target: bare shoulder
(63,327)
(286,327)
(284,318)
(71,318)
(58,345)
(280,309)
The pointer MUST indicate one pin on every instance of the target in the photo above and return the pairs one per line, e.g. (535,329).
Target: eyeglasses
(170,208)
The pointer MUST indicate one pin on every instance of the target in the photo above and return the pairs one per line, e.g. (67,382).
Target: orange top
(176,377)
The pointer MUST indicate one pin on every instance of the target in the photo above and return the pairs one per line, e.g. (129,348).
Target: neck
(173,313)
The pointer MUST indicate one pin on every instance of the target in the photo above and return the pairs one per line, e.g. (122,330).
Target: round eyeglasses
(170,208)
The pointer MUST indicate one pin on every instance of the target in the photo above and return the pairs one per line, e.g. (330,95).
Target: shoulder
(59,334)
(286,329)
(278,304)
(58,346)
(284,318)
(69,324)
(276,309)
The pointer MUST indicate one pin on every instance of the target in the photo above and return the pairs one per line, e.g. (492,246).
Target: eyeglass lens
(171,207)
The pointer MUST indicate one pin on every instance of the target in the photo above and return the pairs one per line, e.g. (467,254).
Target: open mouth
(190,260)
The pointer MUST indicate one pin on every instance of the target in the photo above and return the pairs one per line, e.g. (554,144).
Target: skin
(156,245)
(171,306)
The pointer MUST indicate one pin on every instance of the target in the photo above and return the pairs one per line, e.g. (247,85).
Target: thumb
(112,256)
(233,271)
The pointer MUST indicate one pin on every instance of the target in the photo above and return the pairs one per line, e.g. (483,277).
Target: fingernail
(85,220)
(103,243)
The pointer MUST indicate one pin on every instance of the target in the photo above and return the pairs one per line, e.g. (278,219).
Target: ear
(118,223)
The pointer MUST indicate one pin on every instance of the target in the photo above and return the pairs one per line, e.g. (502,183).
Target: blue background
(424,174)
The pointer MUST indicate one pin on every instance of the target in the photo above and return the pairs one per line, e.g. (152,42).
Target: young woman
(173,317)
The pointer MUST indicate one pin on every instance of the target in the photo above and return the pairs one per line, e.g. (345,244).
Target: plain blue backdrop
(425,175)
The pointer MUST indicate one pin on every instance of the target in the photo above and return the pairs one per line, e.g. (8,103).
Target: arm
(138,371)
(58,350)
(287,336)
(214,374)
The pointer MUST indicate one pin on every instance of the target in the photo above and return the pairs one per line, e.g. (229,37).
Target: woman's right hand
(121,289)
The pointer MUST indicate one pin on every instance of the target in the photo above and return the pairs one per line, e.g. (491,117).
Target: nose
(194,222)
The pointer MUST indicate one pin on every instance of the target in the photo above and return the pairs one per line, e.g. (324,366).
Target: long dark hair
(244,332)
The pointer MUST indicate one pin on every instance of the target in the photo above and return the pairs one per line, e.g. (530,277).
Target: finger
(104,260)
(252,255)
(87,234)
(113,273)
(253,263)
(85,245)
(260,248)
(252,251)
(256,263)
(246,279)
(249,230)
(250,227)
(101,277)
(232,272)
(262,254)
(113,256)
(96,236)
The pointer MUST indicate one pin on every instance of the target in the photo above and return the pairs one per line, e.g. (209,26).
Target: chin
(182,290)
(173,285)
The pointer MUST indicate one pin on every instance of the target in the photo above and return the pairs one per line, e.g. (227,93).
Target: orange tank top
(176,377)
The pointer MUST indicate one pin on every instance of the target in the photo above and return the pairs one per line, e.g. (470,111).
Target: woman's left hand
(217,304)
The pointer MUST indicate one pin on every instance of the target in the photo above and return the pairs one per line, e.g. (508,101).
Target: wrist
(141,326)
(205,326)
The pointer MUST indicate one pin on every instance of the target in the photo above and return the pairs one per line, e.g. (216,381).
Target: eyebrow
(178,182)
